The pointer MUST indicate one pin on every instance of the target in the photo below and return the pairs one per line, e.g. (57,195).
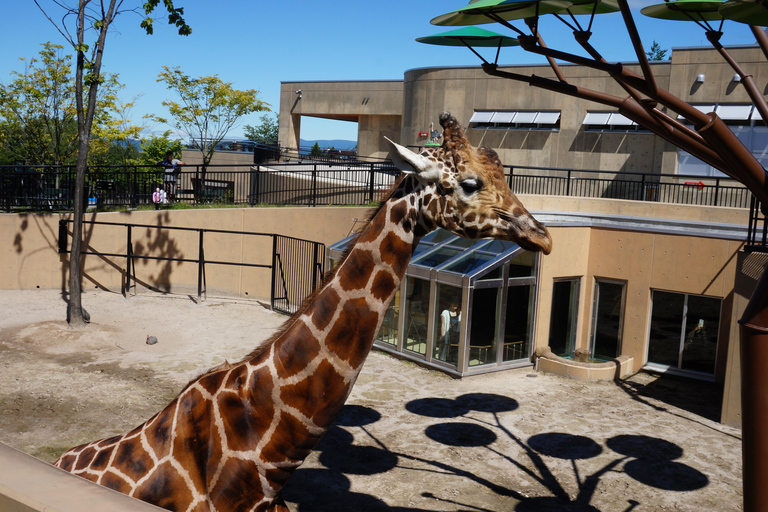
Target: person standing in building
(450,320)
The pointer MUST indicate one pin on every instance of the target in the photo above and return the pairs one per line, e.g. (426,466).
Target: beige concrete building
(651,268)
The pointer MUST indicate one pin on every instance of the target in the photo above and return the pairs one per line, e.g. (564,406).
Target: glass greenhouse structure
(464,307)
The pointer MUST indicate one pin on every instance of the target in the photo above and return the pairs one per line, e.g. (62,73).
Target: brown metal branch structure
(713,142)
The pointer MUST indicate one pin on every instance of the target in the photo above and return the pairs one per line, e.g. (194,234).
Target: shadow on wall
(161,243)
(649,460)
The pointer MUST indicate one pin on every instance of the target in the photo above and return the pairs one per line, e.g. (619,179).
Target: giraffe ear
(426,170)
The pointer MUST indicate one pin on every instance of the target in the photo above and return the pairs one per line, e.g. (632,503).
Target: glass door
(607,319)
(564,316)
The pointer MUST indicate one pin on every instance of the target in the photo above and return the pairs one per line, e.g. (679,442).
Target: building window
(607,319)
(515,120)
(684,332)
(564,316)
(610,122)
(745,122)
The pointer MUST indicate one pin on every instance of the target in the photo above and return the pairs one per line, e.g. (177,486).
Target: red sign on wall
(423,134)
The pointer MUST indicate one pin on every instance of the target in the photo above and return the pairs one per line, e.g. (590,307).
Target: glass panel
(606,337)
(666,328)
(493,274)
(523,265)
(499,246)
(437,257)
(469,263)
(447,323)
(563,318)
(517,331)
(417,306)
(482,339)
(463,243)
(388,331)
(702,326)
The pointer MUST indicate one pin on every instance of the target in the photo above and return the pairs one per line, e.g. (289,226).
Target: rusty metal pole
(753,331)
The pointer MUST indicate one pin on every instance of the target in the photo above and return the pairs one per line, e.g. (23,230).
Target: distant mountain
(335,143)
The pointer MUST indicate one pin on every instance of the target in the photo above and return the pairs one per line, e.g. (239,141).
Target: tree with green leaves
(38,118)
(207,110)
(266,131)
(37,110)
(316,150)
(84,25)
(656,52)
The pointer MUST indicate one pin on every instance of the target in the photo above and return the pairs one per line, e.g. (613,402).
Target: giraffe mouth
(526,231)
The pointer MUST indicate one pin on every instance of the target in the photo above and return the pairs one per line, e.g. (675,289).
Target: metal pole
(274,265)
(754,398)
(128,253)
(370,189)
(200,265)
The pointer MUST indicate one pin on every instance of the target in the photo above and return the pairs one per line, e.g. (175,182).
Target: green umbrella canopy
(469,36)
(588,7)
(476,12)
(684,10)
(746,11)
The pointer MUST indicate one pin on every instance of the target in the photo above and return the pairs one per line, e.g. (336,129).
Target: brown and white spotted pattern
(234,436)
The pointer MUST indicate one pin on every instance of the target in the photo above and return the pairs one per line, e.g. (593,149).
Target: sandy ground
(409,439)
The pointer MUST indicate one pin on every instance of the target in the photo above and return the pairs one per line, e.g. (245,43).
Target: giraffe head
(466,192)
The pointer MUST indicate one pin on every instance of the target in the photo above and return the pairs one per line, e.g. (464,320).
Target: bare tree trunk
(76,315)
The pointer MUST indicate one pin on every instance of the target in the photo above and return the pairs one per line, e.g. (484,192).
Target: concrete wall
(31,259)
(426,92)
(375,104)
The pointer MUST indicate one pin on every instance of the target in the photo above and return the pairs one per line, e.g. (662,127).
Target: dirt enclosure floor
(409,439)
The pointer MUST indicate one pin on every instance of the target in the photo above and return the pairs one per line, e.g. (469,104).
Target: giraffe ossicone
(232,438)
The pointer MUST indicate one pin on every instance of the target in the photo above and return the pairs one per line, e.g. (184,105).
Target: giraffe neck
(338,328)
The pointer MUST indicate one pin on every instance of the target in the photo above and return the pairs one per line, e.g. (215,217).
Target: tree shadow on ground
(649,460)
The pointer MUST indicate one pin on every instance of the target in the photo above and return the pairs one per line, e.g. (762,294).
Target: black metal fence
(662,188)
(340,183)
(297,270)
(296,266)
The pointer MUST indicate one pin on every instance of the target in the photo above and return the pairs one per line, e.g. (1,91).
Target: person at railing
(172,168)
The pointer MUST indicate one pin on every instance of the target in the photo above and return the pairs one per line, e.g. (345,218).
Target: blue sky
(257,44)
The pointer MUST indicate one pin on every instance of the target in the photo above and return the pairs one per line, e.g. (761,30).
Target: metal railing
(313,183)
(757,232)
(296,265)
(632,186)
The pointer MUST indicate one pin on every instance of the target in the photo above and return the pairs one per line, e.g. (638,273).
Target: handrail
(287,301)
(339,183)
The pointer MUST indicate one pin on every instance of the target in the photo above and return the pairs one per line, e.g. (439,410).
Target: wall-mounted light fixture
(700,78)
(298,92)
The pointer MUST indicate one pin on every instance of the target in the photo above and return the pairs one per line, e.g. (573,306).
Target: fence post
(717,191)
(134,188)
(128,254)
(200,264)
(370,186)
(511,171)
(568,185)
(274,269)
(255,190)
(313,199)
(63,236)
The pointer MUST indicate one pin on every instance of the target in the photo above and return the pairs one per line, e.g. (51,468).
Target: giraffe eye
(471,185)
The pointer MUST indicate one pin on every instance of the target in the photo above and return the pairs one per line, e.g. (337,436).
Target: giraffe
(232,438)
